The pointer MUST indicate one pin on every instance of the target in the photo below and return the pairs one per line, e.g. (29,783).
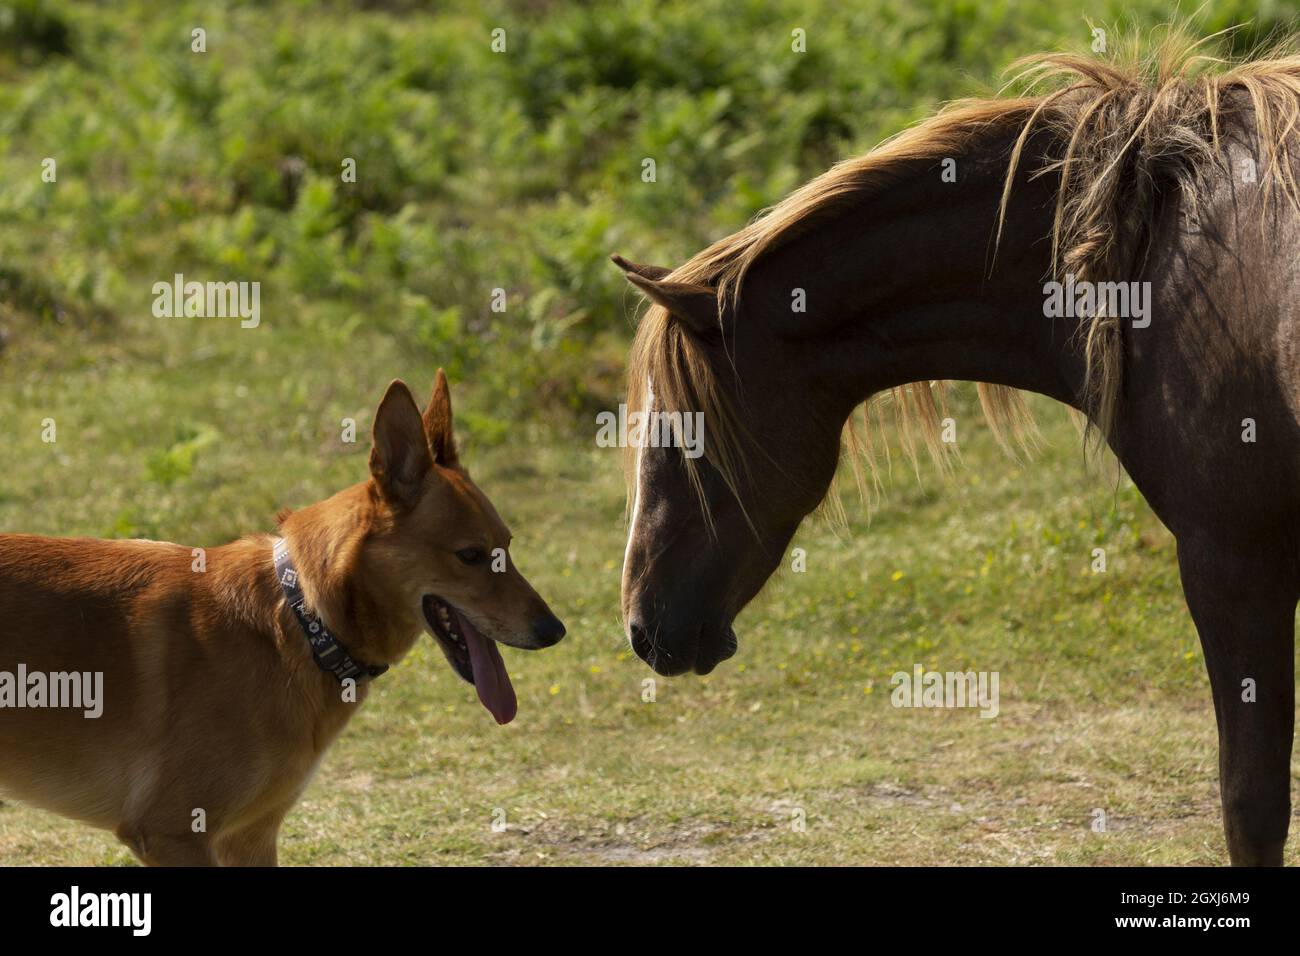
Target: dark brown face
(681,587)
(684,583)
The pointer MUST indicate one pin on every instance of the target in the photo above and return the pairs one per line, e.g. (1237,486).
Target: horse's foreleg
(1244,609)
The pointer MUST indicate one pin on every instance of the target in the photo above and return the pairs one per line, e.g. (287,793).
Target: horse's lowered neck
(904,286)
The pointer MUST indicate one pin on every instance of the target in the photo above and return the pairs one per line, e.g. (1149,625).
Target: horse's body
(906,281)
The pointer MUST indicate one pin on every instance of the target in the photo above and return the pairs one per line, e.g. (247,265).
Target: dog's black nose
(549,630)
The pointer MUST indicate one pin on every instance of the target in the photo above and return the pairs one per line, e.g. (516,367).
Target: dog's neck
(325,541)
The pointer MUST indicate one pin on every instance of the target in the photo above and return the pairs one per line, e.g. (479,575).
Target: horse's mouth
(710,649)
(713,651)
(473,657)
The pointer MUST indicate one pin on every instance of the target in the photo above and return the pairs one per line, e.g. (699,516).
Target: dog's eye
(470,556)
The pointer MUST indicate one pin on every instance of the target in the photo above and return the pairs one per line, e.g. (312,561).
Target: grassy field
(522,172)
(1104,701)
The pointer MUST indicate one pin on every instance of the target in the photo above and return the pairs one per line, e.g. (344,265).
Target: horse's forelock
(668,363)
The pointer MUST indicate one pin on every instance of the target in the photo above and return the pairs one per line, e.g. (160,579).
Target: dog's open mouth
(473,656)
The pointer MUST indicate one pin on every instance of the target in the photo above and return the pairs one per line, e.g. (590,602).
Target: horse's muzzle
(675,651)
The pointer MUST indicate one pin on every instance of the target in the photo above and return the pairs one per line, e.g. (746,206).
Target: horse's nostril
(637,637)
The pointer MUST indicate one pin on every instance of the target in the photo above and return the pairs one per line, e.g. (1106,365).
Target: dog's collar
(329,654)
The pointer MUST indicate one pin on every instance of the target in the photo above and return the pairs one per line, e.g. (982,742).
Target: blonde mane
(1123,125)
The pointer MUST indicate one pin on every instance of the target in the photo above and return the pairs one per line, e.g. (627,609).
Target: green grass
(522,172)
(1104,702)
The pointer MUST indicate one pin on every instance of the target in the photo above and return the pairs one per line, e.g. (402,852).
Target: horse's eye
(470,556)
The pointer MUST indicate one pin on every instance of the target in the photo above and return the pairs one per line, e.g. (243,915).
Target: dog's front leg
(167,849)
(254,845)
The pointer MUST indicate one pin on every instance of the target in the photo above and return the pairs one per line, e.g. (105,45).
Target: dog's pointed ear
(399,458)
(645,272)
(437,424)
(695,306)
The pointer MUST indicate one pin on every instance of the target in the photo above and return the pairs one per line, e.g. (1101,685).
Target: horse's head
(728,455)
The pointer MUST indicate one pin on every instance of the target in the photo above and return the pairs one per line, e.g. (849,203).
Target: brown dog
(183,698)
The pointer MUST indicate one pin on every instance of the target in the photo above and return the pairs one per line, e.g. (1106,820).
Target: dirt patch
(632,843)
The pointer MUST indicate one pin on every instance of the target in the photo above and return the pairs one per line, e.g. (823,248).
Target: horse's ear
(695,306)
(645,272)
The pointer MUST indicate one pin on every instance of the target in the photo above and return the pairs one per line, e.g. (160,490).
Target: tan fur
(212,700)
(1163,110)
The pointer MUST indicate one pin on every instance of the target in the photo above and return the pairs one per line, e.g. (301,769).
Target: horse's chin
(709,648)
(713,652)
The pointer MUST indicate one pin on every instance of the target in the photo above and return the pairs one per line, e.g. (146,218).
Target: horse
(941,256)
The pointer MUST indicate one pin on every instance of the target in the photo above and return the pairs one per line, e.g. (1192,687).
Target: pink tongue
(490,677)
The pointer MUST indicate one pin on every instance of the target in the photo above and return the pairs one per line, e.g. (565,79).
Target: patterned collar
(330,656)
